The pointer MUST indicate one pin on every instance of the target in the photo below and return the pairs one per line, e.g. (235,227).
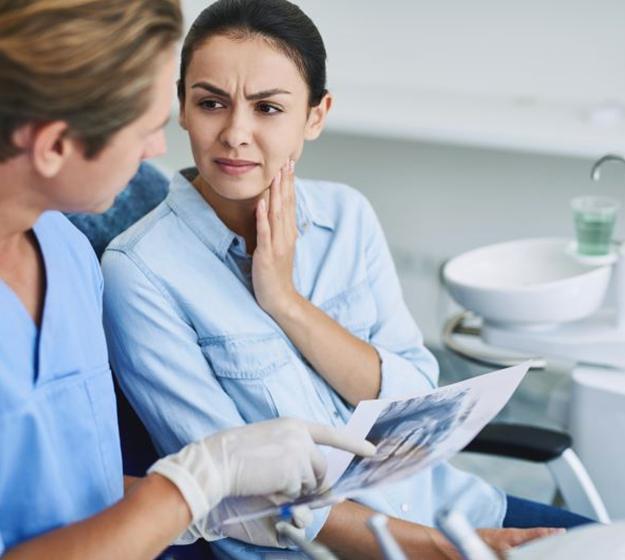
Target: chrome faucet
(595,173)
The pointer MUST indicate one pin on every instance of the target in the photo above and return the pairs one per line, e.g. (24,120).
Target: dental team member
(84,93)
(248,294)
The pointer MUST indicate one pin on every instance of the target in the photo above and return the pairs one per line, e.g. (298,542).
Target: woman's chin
(240,194)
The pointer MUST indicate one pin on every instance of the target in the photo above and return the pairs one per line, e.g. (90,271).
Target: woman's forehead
(252,62)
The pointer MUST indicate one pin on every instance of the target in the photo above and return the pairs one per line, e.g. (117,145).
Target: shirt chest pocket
(354,309)
(263,376)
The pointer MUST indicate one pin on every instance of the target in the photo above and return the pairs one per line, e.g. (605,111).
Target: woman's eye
(211,104)
(268,109)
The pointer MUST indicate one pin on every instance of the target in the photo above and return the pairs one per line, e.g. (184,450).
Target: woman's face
(246,110)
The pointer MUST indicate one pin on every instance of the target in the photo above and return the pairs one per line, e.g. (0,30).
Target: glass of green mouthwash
(594,217)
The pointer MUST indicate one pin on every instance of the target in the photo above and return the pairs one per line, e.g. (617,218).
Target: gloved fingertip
(368,449)
(302,516)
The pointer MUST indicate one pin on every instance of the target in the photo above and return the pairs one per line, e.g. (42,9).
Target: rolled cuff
(186,484)
(400,378)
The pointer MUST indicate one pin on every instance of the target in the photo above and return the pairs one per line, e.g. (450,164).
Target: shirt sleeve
(407,366)
(2,549)
(160,366)
(156,357)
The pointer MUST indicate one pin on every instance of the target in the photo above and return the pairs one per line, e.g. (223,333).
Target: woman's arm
(160,365)
(349,365)
(346,533)
(151,515)
(357,370)
(129,482)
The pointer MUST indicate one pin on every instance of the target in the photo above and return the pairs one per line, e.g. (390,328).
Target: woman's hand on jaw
(272,264)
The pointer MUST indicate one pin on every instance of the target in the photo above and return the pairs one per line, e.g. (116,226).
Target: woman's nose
(236,131)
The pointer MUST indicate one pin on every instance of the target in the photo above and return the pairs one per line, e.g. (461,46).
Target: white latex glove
(261,532)
(273,457)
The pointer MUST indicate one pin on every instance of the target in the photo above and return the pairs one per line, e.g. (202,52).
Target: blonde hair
(90,63)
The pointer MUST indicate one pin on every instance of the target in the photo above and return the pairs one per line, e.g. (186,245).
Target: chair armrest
(517,441)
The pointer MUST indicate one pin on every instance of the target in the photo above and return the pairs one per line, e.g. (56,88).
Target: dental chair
(550,448)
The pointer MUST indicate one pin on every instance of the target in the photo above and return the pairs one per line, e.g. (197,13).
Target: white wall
(536,75)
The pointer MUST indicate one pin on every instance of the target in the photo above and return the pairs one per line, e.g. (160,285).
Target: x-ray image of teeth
(407,434)
(411,434)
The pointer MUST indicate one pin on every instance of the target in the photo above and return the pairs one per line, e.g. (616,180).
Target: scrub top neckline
(37,330)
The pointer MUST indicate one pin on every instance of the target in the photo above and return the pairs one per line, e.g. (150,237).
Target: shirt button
(405,508)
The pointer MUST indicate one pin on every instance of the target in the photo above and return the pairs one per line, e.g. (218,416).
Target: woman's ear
(50,147)
(317,118)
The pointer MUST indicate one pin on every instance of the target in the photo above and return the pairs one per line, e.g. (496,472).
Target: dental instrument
(387,543)
(458,531)
(312,549)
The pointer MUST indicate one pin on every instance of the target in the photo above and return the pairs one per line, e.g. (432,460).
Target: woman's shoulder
(331,199)
(141,229)
(334,189)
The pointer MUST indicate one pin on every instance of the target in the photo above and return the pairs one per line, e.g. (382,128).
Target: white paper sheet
(417,432)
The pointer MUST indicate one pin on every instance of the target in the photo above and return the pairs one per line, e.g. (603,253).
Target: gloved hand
(273,457)
(261,531)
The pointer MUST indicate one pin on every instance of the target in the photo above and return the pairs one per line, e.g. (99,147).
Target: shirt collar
(187,203)
(309,211)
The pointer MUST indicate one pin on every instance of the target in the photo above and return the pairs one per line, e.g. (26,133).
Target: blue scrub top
(60,458)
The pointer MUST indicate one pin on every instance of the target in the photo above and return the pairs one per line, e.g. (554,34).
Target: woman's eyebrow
(251,97)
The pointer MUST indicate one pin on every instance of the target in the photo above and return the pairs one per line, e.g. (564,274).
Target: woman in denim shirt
(249,294)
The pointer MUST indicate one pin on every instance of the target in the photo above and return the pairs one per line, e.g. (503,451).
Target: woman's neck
(238,215)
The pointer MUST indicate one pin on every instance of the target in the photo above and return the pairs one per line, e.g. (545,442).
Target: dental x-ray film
(410,435)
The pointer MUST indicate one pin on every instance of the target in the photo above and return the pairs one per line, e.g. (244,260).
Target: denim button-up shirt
(195,353)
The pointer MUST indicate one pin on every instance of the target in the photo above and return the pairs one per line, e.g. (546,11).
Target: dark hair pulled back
(282,23)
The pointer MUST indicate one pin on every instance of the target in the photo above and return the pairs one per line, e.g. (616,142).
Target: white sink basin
(525,282)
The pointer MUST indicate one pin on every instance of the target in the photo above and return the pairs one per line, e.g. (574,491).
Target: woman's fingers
(289,199)
(275,207)
(282,218)
(503,539)
(263,229)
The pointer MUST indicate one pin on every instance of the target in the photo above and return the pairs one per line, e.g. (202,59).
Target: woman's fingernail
(292,165)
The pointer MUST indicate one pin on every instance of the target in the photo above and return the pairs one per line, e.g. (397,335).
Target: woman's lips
(235,166)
